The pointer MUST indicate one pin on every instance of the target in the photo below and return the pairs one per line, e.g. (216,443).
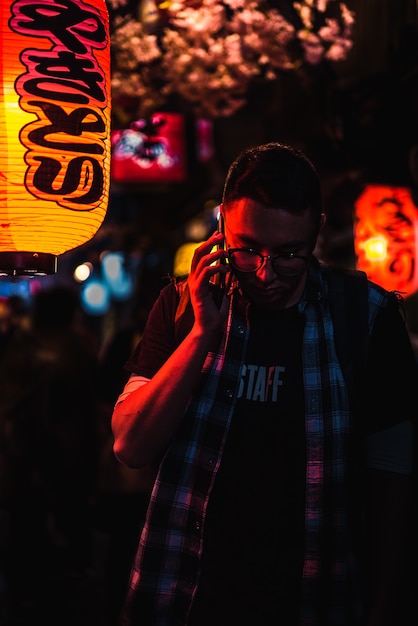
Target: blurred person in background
(48,423)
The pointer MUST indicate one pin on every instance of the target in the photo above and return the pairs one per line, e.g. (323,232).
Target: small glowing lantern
(386,237)
(183,258)
(54,129)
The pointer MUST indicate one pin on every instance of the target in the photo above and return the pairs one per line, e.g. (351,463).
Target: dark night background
(358,121)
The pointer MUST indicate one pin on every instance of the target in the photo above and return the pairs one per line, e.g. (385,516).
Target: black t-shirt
(253,549)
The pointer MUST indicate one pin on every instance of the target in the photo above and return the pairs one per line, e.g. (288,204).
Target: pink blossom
(208,51)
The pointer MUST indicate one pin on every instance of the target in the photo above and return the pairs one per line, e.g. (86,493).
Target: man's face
(276,233)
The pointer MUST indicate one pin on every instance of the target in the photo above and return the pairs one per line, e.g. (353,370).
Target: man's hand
(205,266)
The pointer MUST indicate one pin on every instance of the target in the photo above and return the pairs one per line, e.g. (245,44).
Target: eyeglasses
(249,260)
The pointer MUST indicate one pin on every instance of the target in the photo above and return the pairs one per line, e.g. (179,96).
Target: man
(283,489)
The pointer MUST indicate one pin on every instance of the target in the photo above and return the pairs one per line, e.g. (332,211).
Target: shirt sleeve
(391,379)
(390,402)
(132,384)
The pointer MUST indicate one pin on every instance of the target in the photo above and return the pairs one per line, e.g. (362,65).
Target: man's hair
(275,175)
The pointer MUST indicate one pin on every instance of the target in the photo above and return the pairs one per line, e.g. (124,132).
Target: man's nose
(266,271)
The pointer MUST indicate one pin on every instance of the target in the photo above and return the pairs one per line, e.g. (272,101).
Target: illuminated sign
(385,237)
(54,128)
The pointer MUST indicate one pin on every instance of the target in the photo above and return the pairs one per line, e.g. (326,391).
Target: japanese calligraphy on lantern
(385,237)
(54,123)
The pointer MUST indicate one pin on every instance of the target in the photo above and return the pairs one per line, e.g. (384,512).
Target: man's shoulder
(331,272)
(352,283)
(165,305)
(170,292)
(184,316)
(344,285)
(355,303)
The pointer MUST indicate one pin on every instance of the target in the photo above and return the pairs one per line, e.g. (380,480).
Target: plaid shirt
(165,573)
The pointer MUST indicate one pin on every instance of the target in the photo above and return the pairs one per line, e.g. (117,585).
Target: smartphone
(221,228)
(219,279)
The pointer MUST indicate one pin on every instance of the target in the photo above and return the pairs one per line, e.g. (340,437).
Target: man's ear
(322,221)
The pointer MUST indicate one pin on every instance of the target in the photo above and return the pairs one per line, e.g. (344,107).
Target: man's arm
(391,461)
(145,421)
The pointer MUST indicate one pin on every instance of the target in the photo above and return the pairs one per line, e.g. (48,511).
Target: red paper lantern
(386,236)
(54,129)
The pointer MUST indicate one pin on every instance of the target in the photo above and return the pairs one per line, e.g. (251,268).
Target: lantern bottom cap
(27,263)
